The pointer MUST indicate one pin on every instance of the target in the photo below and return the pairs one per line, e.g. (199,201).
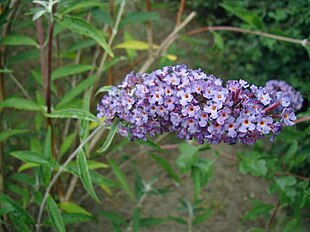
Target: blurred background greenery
(188,187)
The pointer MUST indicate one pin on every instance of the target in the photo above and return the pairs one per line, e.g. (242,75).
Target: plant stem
(271,221)
(180,12)
(42,52)
(166,43)
(149,29)
(20,86)
(58,173)
(303,42)
(112,37)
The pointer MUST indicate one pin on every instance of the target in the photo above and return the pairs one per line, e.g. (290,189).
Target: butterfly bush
(197,106)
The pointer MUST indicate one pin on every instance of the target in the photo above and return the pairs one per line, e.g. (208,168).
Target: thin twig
(149,29)
(110,71)
(105,55)
(19,85)
(71,188)
(292,174)
(180,12)
(303,119)
(303,42)
(58,173)
(166,43)
(271,221)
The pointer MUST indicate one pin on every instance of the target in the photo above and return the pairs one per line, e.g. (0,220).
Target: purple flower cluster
(281,87)
(196,106)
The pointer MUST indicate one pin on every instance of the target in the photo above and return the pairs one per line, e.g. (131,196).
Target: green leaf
(73,113)
(46,170)
(95,177)
(218,40)
(139,17)
(187,157)
(166,166)
(151,221)
(67,143)
(247,16)
(26,166)
(20,104)
(30,156)
(108,141)
(82,27)
(54,215)
(293,225)
(178,220)
(308,50)
(113,217)
(8,133)
(150,144)
(84,124)
(106,88)
(287,185)
(252,163)
(15,40)
(81,45)
(10,203)
(136,219)
(259,209)
(23,178)
(81,5)
(85,176)
(93,165)
(121,178)
(69,70)
(24,56)
(74,218)
(70,207)
(202,217)
(76,91)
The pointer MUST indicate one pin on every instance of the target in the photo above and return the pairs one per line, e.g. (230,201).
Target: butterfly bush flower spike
(198,106)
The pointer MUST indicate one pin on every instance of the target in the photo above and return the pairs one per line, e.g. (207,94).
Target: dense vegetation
(59,57)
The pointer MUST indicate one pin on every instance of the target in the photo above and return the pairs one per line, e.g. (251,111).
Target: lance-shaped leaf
(69,70)
(54,215)
(6,134)
(121,178)
(16,40)
(150,144)
(30,156)
(108,141)
(7,202)
(73,113)
(20,104)
(85,176)
(106,88)
(82,27)
(166,166)
(70,207)
(76,91)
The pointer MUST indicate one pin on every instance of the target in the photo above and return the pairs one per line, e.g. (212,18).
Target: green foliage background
(82,32)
